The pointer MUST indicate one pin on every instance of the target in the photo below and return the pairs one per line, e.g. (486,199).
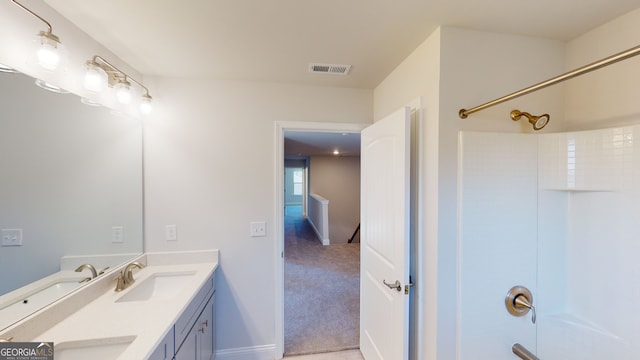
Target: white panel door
(497,245)
(385,221)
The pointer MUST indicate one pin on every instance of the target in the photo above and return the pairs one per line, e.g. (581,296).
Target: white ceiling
(275,40)
(306,143)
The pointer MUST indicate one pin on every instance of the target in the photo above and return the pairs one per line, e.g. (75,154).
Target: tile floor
(341,355)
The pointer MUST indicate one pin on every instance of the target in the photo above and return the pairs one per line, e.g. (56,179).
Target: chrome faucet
(125,279)
(94,273)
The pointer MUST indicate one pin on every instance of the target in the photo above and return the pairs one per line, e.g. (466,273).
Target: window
(297,182)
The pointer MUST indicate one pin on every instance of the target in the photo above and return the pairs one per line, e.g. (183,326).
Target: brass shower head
(538,122)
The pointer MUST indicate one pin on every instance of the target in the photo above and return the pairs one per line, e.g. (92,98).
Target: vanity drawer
(187,319)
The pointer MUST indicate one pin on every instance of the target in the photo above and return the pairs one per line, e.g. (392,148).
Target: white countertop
(149,321)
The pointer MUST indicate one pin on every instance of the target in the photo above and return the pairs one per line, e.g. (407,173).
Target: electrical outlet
(258,228)
(171,232)
(11,237)
(117,234)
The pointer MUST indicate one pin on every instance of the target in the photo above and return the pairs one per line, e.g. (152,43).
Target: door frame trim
(280,128)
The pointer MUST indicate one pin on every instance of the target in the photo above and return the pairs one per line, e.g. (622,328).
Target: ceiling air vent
(334,69)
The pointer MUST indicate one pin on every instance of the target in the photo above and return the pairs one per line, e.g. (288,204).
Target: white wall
(457,68)
(338,180)
(210,169)
(609,96)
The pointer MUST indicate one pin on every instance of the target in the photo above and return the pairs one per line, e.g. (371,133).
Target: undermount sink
(33,300)
(103,349)
(157,286)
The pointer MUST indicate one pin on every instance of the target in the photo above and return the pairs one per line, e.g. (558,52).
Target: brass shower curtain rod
(463,113)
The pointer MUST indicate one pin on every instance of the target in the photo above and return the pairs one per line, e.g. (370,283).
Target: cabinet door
(188,349)
(205,327)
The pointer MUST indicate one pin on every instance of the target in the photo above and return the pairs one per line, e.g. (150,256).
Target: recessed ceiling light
(336,152)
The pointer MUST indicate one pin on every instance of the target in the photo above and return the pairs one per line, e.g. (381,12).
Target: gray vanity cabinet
(205,334)
(192,337)
(199,343)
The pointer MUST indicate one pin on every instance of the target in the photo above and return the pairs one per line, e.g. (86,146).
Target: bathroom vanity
(168,312)
(193,334)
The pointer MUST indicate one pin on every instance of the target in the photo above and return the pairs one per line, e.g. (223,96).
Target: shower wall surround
(557,214)
(497,243)
(599,169)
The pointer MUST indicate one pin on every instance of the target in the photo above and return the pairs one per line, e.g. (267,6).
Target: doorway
(321,265)
(297,213)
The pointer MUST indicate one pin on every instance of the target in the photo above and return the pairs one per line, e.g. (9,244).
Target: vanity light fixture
(50,50)
(336,152)
(100,73)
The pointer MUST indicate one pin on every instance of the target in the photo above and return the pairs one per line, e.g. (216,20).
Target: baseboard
(324,241)
(263,352)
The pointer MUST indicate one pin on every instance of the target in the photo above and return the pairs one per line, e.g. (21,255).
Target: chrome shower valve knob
(519,301)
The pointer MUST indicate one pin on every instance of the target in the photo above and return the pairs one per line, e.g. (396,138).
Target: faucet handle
(120,283)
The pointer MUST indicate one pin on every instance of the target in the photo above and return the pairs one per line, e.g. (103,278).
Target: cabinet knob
(201,330)
(206,323)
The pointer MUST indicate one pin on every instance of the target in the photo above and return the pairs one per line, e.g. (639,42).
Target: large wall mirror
(70,182)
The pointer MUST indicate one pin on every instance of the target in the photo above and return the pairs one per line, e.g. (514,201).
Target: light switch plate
(171,232)
(258,228)
(11,237)
(117,234)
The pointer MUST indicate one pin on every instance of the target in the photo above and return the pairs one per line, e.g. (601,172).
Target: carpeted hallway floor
(322,291)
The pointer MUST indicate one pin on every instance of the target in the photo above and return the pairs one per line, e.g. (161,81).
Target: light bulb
(145,104)
(123,91)
(95,78)
(49,51)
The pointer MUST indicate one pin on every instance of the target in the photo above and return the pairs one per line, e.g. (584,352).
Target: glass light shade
(123,92)
(5,68)
(89,102)
(49,51)
(51,87)
(95,78)
(145,104)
